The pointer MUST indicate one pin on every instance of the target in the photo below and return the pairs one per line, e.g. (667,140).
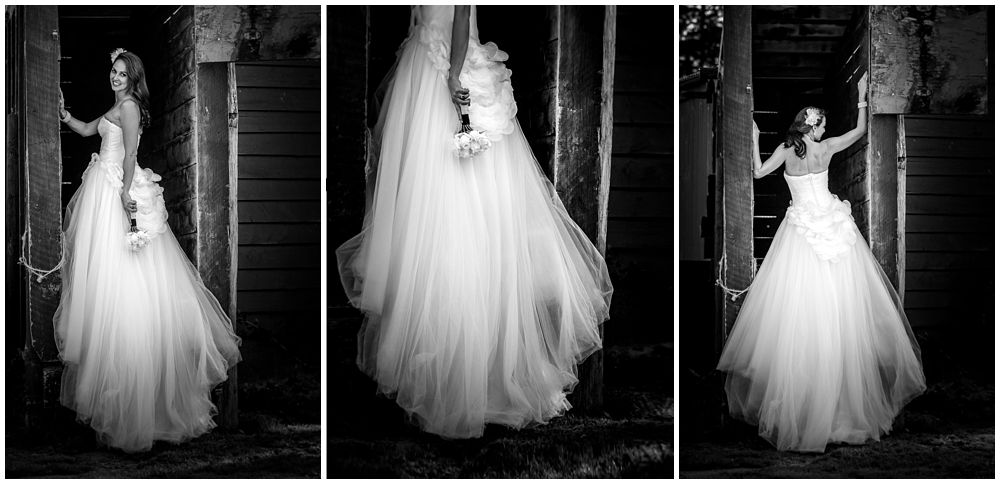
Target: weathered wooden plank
(639,234)
(228,33)
(279,122)
(928,280)
(883,169)
(276,167)
(640,203)
(263,279)
(280,144)
(950,185)
(42,212)
(735,186)
(252,190)
(948,241)
(938,261)
(658,140)
(948,223)
(281,256)
(274,99)
(299,300)
(642,108)
(631,172)
(920,166)
(918,300)
(929,60)
(948,204)
(277,233)
(288,77)
(950,127)
(265,212)
(949,147)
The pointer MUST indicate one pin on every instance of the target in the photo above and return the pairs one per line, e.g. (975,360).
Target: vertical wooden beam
(883,174)
(216,151)
(735,181)
(582,158)
(901,207)
(42,197)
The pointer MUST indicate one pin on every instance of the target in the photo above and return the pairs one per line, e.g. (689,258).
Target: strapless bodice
(824,220)
(810,188)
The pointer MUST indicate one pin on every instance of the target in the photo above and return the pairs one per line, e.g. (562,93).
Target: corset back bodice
(824,220)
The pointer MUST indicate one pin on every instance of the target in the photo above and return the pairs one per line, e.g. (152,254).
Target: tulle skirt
(480,293)
(821,351)
(143,341)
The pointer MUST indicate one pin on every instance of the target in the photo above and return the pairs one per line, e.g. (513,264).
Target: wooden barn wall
(949,220)
(849,170)
(168,143)
(697,140)
(278,279)
(640,204)
(930,59)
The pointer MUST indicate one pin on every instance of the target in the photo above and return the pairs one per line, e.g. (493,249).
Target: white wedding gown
(143,341)
(821,351)
(481,295)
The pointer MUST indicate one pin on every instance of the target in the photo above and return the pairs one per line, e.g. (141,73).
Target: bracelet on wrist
(863,104)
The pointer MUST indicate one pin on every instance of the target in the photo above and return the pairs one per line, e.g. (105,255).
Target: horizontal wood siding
(640,202)
(949,220)
(278,192)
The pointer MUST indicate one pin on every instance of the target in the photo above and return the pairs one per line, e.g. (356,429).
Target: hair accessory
(812,117)
(117,52)
(863,104)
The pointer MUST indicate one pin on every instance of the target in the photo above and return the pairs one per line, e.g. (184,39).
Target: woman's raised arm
(79,127)
(773,162)
(842,142)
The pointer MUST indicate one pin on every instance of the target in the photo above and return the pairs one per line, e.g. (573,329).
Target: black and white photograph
(163,262)
(499,239)
(836,209)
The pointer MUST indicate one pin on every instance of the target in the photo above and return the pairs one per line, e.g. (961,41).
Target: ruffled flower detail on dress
(113,172)
(492,109)
(151,210)
(830,230)
(437,48)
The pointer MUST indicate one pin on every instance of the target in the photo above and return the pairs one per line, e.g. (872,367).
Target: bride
(480,294)
(821,351)
(143,341)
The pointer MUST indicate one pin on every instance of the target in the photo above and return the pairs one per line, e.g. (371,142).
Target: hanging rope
(724,262)
(38,273)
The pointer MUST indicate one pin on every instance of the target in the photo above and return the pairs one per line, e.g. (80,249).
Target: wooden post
(734,246)
(582,158)
(216,219)
(883,171)
(42,212)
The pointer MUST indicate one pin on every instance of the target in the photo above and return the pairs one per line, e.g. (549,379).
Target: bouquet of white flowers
(135,238)
(470,142)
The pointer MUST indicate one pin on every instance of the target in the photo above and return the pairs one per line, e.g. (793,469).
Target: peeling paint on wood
(228,33)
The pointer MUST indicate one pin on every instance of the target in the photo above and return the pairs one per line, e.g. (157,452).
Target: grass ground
(948,432)
(633,437)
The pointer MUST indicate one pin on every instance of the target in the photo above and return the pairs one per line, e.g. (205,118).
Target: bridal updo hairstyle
(800,128)
(136,74)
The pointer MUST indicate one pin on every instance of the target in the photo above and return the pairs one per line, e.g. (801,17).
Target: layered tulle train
(821,351)
(142,339)
(480,293)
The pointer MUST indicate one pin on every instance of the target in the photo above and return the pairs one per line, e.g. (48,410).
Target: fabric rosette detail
(151,210)
(829,230)
(492,108)
(437,48)
(113,172)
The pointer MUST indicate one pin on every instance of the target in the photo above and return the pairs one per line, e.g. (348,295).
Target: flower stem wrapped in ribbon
(470,142)
(135,238)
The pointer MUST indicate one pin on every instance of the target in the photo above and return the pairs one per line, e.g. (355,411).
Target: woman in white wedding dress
(480,294)
(143,341)
(821,351)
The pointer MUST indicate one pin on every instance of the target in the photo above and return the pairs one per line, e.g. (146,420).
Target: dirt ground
(948,432)
(633,437)
(278,435)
